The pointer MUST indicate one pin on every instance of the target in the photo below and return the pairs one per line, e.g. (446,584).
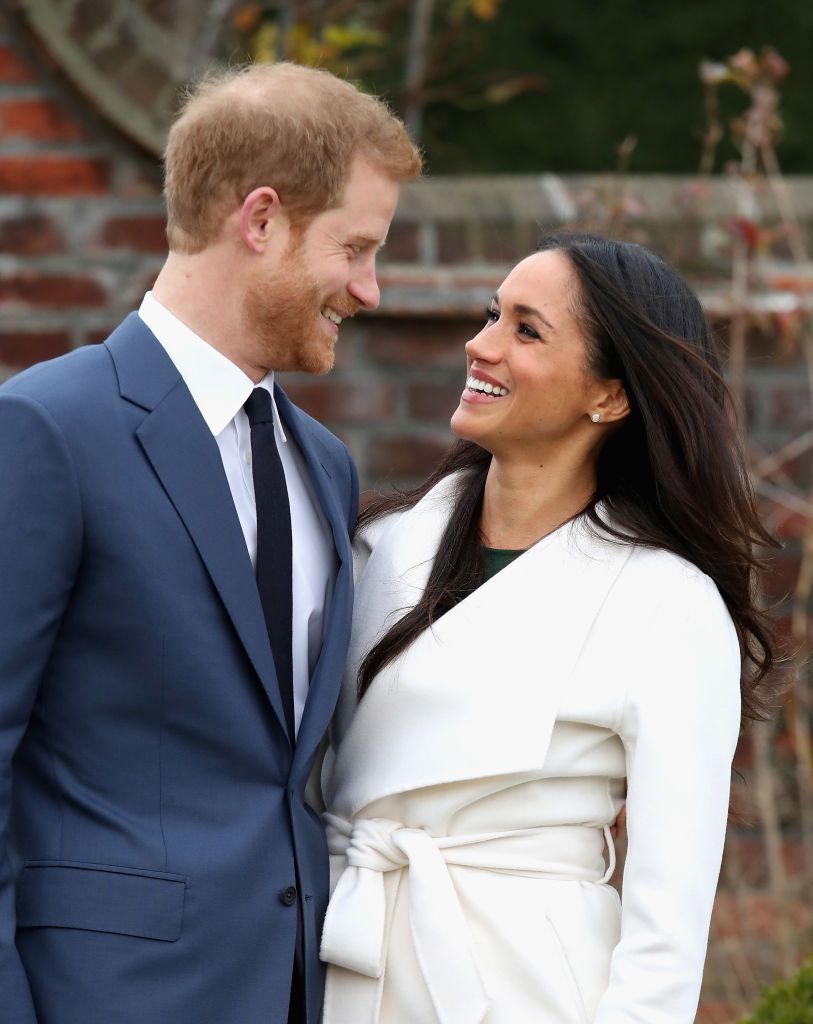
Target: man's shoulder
(62,382)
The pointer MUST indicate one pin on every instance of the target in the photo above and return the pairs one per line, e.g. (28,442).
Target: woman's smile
(481,388)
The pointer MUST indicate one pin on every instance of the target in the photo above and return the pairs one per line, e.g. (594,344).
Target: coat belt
(354,935)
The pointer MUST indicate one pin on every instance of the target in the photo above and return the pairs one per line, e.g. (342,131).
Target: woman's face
(533,355)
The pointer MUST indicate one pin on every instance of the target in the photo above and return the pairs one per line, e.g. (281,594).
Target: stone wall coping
(559,198)
(408,291)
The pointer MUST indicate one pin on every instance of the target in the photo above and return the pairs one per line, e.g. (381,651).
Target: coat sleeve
(40,542)
(679,725)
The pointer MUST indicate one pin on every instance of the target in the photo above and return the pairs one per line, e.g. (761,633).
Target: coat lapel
(483,686)
(186,460)
(326,678)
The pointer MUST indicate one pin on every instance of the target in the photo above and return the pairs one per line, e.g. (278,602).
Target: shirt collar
(218,386)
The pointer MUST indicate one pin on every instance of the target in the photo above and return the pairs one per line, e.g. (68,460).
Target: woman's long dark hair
(672,476)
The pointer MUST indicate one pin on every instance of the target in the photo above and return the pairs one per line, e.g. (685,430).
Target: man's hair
(294,128)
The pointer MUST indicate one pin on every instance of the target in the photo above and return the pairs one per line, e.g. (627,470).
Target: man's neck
(195,290)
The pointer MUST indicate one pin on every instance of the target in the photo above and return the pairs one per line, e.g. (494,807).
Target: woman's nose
(483,347)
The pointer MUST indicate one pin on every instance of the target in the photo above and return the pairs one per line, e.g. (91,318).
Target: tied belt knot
(354,936)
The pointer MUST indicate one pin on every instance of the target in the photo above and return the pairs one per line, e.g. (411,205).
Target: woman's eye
(492,315)
(528,331)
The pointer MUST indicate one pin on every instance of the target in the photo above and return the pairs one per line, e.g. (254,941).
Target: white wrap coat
(469,793)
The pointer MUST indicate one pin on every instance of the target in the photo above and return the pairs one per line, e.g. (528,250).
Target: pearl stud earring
(596,417)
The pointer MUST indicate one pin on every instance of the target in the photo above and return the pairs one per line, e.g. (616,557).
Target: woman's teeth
(474,384)
(331,314)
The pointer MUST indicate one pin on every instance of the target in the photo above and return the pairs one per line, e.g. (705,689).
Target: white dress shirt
(220,389)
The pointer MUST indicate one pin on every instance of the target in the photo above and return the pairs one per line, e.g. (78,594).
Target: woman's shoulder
(668,566)
(657,568)
(671,597)
(369,534)
(658,586)
(437,501)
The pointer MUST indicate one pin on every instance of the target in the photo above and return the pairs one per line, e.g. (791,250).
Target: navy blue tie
(274,544)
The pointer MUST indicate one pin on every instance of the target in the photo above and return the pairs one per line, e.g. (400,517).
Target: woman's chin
(464,426)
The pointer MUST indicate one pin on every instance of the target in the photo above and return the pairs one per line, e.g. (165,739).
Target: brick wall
(81,238)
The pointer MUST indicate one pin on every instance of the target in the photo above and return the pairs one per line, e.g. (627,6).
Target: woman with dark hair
(564,611)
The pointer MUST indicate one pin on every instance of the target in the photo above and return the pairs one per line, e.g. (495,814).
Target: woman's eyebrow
(523,310)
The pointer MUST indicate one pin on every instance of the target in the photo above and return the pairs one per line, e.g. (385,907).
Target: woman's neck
(522,504)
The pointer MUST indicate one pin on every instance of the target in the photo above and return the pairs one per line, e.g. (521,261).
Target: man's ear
(260,211)
(613,404)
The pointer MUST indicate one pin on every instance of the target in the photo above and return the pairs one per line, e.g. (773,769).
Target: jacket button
(288,896)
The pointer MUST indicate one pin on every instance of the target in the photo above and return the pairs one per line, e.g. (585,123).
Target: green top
(495,559)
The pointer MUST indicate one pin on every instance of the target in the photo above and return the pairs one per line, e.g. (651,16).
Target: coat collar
(482,687)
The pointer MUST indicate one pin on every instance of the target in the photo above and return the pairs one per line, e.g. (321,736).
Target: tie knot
(258,407)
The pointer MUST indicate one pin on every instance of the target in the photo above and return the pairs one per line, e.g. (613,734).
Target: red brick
(434,400)
(454,243)
(782,577)
(773,341)
(402,244)
(53,175)
(97,336)
(717,1012)
(508,243)
(421,343)
(756,915)
(143,234)
(790,525)
(139,180)
(21,348)
(790,406)
(797,470)
(40,120)
(30,236)
(13,68)
(745,861)
(338,401)
(423,276)
(53,291)
(345,350)
(407,456)
(147,283)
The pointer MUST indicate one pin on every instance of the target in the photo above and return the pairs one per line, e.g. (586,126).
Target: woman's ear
(261,208)
(612,405)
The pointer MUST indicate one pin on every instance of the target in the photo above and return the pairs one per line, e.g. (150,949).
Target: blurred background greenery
(519,85)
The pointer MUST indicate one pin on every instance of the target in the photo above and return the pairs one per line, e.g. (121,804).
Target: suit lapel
(326,677)
(186,460)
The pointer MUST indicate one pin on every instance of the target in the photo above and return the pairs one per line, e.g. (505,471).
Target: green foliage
(520,86)
(615,70)
(786,1002)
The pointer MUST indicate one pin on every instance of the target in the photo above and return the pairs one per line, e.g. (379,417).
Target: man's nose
(364,287)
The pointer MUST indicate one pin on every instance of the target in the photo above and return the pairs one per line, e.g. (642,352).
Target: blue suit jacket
(152,811)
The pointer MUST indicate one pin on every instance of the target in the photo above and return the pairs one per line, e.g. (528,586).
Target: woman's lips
(482,388)
(479,397)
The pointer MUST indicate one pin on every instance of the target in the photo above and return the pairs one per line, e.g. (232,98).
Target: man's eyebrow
(523,310)
(365,240)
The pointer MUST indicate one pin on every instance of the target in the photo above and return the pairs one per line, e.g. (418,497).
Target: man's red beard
(283,314)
